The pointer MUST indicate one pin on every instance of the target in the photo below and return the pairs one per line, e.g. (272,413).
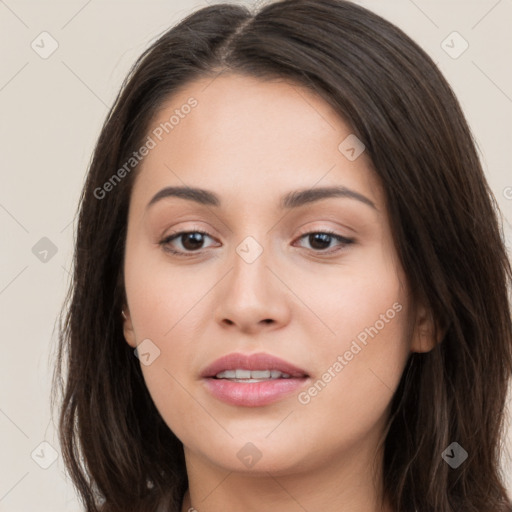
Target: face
(311,279)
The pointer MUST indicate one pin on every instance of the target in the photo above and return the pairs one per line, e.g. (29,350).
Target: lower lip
(253,394)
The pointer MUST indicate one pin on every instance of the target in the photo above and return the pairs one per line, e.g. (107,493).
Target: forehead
(248,137)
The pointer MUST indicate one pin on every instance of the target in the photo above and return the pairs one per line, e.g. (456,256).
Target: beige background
(51,113)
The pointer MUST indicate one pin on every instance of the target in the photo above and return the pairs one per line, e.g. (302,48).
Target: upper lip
(260,361)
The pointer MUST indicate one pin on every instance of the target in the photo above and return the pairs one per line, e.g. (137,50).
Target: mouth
(247,367)
(241,375)
(252,380)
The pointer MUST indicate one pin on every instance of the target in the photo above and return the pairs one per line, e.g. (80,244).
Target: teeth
(252,375)
(227,374)
(242,374)
(259,374)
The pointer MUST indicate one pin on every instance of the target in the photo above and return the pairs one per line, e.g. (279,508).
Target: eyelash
(166,241)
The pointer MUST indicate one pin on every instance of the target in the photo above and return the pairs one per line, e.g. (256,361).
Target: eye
(191,241)
(321,240)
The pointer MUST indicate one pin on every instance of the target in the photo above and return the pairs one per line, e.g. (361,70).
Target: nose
(253,297)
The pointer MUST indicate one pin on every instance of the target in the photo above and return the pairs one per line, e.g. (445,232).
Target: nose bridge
(250,261)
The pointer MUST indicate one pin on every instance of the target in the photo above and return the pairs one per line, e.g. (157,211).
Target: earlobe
(426,335)
(129,334)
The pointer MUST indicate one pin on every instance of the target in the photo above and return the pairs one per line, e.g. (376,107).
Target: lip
(253,394)
(259,361)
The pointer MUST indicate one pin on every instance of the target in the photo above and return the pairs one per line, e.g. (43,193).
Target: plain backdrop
(52,108)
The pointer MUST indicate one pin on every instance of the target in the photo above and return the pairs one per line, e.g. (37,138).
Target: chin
(257,457)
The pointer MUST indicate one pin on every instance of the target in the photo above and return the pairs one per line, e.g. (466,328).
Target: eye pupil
(324,239)
(195,238)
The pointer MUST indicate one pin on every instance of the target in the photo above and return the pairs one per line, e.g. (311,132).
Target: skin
(251,141)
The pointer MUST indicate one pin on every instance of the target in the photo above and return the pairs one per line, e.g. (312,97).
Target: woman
(290,288)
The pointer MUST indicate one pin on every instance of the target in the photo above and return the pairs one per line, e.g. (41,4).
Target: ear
(426,333)
(129,333)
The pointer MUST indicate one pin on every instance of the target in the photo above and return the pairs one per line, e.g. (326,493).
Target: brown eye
(322,240)
(191,241)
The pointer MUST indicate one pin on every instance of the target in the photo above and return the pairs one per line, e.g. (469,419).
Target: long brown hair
(445,221)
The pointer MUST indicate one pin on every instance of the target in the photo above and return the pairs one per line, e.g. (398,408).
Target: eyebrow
(293,199)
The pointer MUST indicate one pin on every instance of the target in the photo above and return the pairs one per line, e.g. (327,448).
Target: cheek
(166,306)
(361,355)
(160,296)
(364,298)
